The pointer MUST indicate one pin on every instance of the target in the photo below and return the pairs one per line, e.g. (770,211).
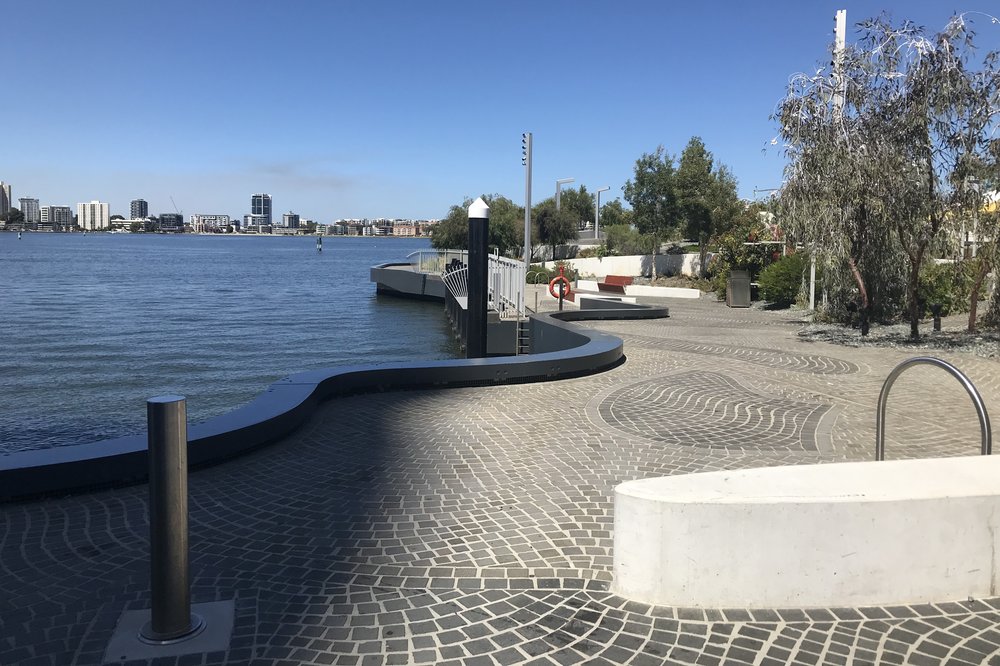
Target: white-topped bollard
(479,230)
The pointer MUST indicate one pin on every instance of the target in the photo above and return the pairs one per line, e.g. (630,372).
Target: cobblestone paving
(474,526)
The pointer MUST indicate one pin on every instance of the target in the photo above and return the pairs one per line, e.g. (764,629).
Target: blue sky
(396,109)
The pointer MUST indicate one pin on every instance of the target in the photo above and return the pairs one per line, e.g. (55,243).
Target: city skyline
(402,113)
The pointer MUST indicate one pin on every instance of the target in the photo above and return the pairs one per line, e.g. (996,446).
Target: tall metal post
(559,184)
(479,223)
(170,585)
(526,161)
(597,212)
(839,44)
(812,279)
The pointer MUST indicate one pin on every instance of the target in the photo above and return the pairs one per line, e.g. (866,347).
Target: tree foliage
(651,194)
(706,196)
(579,203)
(554,228)
(614,214)
(881,147)
(506,229)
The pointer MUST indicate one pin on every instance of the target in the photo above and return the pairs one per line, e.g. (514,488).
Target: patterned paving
(474,525)
(711,410)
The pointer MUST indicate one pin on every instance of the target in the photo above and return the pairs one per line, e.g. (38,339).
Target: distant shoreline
(233,235)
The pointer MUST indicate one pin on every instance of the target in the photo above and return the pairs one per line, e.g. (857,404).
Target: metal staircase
(523,337)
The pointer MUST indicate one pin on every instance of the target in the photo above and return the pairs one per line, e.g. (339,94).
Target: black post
(936,311)
(479,222)
(170,587)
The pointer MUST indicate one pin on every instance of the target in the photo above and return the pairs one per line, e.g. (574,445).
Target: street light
(597,213)
(559,184)
(526,162)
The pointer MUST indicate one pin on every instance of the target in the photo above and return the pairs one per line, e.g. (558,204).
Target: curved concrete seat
(845,534)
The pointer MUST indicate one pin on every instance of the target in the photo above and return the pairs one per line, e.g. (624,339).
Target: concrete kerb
(564,351)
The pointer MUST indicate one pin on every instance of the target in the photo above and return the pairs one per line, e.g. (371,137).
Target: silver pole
(597,212)
(526,146)
(559,184)
(812,280)
(170,587)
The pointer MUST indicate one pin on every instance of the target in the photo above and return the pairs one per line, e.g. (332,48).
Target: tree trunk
(702,254)
(912,306)
(864,310)
(977,285)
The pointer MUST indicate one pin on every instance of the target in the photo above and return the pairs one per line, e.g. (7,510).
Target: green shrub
(949,285)
(537,274)
(781,281)
(623,240)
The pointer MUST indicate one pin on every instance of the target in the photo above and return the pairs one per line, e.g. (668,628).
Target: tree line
(691,197)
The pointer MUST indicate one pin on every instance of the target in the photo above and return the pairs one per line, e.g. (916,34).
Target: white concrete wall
(633,265)
(634,290)
(846,534)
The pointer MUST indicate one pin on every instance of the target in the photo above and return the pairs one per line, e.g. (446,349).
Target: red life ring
(555,292)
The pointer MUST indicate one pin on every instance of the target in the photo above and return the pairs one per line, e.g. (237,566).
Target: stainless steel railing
(986,433)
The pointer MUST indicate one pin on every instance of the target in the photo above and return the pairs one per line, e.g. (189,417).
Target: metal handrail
(977,402)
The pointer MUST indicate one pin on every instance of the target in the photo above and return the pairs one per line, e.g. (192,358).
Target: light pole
(559,184)
(597,213)
(526,162)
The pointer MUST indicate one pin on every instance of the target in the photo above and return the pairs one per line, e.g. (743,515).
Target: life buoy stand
(566,291)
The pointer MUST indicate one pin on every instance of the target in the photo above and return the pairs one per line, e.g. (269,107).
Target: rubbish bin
(738,289)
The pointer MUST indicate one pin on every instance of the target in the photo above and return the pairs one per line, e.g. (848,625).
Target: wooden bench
(614,283)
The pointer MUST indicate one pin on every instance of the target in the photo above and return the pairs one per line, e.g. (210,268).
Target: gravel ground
(951,337)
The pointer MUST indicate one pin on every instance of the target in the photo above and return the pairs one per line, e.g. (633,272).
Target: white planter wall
(635,265)
(846,534)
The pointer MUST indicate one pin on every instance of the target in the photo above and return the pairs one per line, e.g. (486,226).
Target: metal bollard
(936,312)
(170,587)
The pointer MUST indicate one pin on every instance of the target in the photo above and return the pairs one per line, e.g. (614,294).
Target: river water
(93,325)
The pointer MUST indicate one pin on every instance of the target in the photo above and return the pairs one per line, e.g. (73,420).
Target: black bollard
(170,588)
(479,223)
(936,311)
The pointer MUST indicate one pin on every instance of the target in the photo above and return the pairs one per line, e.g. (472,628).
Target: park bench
(615,283)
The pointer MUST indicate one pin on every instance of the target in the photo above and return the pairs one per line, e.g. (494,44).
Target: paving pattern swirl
(475,526)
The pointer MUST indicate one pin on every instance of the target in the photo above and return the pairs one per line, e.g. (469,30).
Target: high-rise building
(290,220)
(30,209)
(260,204)
(4,198)
(56,217)
(93,216)
(171,222)
(138,209)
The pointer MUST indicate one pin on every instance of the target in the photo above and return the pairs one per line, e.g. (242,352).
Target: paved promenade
(474,526)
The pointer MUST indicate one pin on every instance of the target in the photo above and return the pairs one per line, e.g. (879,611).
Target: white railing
(504,278)
(436,261)
(457,282)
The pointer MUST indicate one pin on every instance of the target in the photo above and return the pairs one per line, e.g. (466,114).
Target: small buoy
(18,235)
(319,243)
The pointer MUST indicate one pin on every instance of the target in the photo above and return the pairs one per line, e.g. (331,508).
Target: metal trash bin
(738,289)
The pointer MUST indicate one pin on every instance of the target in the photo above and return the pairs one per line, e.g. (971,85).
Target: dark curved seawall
(565,351)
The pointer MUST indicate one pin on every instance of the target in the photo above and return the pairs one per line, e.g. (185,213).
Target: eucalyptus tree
(554,227)
(578,202)
(653,198)
(505,231)
(706,196)
(877,149)
(613,214)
